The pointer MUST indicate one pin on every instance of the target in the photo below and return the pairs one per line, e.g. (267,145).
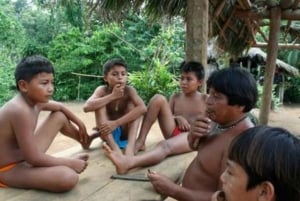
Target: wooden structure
(96,184)
(255,61)
(236,23)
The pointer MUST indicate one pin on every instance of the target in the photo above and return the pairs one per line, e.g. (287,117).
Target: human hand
(199,129)
(182,123)
(107,128)
(82,134)
(118,91)
(161,183)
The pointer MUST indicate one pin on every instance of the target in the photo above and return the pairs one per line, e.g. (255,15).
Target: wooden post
(272,51)
(197,32)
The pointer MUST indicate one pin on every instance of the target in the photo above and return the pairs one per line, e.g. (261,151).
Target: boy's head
(193,66)
(270,159)
(237,84)
(108,65)
(31,66)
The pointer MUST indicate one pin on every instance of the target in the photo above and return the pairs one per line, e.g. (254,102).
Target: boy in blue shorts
(118,108)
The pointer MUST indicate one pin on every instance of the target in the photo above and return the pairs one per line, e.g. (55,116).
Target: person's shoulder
(176,95)
(101,90)
(203,96)
(14,106)
(130,89)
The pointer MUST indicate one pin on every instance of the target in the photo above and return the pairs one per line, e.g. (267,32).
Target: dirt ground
(287,116)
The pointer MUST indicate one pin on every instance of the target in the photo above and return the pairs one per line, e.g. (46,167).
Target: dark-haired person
(118,108)
(175,116)
(263,164)
(24,163)
(174,119)
(232,94)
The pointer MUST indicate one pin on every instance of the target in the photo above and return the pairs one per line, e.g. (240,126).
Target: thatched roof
(236,22)
(257,52)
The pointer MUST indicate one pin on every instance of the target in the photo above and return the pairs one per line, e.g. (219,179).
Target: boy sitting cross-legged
(23,144)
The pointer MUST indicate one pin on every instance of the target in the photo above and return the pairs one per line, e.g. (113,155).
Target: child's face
(40,88)
(116,75)
(235,180)
(189,82)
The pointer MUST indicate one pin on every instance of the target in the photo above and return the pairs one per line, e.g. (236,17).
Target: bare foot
(80,163)
(119,160)
(90,140)
(139,147)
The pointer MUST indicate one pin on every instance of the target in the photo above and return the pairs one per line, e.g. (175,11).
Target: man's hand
(200,128)
(161,184)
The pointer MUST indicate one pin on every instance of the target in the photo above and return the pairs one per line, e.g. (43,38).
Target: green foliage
(159,75)
(275,102)
(149,82)
(6,77)
(292,93)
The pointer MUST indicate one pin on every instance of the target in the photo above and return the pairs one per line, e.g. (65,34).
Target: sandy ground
(287,116)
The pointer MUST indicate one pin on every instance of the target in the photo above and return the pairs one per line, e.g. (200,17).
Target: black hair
(269,154)
(193,66)
(30,66)
(237,84)
(111,63)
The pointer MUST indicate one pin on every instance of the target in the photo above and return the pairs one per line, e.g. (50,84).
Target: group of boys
(234,160)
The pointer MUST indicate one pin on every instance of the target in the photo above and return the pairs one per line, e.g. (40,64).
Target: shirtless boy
(118,108)
(263,164)
(176,116)
(185,106)
(232,93)
(23,144)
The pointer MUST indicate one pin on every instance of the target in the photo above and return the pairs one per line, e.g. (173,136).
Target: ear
(105,78)
(22,84)
(266,192)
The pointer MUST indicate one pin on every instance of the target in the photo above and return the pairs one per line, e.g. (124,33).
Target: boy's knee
(67,180)
(59,116)
(159,99)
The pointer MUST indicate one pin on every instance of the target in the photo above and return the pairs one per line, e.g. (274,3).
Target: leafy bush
(292,93)
(275,102)
(149,82)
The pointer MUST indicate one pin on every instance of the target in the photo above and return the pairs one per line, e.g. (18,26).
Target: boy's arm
(136,112)
(24,127)
(56,106)
(99,99)
(181,122)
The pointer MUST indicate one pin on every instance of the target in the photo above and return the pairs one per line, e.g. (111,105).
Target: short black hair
(193,66)
(31,66)
(237,84)
(269,154)
(111,63)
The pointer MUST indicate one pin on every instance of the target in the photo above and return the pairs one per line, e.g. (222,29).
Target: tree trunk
(270,65)
(197,32)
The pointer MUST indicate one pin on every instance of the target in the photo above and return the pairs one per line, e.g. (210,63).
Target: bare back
(205,170)
(16,107)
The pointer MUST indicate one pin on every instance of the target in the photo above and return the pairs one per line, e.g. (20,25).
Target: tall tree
(194,12)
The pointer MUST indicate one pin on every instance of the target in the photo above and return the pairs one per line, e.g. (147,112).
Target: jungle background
(78,42)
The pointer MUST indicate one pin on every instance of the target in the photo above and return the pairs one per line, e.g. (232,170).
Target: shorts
(176,131)
(4,169)
(117,135)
